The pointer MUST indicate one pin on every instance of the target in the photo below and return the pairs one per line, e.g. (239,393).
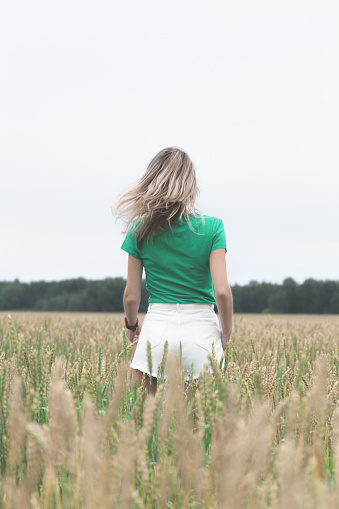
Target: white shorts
(195,326)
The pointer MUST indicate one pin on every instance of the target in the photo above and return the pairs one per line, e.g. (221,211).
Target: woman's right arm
(222,293)
(132,294)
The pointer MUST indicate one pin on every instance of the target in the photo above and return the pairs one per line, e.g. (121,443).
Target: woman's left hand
(133,335)
(224,340)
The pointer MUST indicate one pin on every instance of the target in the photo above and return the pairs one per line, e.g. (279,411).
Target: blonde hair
(166,191)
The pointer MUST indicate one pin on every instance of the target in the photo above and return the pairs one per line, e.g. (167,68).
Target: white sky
(91,91)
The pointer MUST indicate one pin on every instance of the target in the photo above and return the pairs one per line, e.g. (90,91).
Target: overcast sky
(91,91)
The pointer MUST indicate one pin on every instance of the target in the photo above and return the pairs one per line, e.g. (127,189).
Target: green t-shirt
(177,262)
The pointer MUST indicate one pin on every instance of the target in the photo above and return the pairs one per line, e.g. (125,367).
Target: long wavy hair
(166,191)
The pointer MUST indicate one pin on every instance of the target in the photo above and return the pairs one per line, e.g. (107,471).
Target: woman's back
(183,255)
(176,262)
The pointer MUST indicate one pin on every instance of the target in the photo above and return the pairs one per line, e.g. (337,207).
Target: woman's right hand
(133,335)
(224,340)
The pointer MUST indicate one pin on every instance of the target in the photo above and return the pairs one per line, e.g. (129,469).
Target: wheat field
(262,431)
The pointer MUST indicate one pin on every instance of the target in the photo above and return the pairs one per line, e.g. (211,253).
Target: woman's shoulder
(209,220)
(204,224)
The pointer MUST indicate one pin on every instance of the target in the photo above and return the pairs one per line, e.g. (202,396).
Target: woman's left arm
(132,294)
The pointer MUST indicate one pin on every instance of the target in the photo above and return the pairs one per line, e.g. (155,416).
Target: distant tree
(76,301)
(237,300)
(107,295)
(55,303)
(111,293)
(252,298)
(326,291)
(334,304)
(13,295)
(278,302)
(36,291)
(308,297)
(289,288)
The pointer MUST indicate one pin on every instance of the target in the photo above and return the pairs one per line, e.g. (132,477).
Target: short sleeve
(130,245)
(219,237)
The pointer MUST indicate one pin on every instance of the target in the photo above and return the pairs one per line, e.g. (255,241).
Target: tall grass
(263,431)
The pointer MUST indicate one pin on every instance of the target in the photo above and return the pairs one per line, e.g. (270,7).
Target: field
(263,431)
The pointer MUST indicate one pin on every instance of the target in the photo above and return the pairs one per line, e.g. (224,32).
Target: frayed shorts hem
(187,377)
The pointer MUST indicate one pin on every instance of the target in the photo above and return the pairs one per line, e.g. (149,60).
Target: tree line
(80,294)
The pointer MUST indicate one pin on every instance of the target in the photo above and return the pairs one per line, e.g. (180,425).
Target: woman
(183,254)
